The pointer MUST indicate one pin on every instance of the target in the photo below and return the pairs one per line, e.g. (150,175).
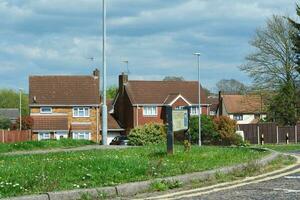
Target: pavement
(283,185)
(57,150)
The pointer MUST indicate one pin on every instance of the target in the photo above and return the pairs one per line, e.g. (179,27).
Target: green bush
(147,135)
(209,135)
(226,128)
(4,123)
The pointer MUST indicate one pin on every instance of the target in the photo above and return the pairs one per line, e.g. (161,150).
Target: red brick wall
(140,119)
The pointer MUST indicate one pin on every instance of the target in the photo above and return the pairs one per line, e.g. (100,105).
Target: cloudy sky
(157,37)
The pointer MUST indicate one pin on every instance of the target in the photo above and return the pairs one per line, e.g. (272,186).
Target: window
(194,110)
(179,108)
(81,112)
(212,113)
(44,136)
(46,110)
(82,135)
(149,110)
(238,117)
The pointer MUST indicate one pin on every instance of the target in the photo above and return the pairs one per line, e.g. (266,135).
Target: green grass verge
(282,147)
(30,174)
(45,144)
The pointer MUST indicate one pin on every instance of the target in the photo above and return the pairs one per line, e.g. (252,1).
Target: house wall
(248,118)
(69,112)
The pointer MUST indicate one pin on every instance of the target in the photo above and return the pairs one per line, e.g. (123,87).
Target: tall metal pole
(199,98)
(104,107)
(20,118)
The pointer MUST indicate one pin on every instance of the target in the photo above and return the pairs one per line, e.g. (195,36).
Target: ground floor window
(60,135)
(44,136)
(81,135)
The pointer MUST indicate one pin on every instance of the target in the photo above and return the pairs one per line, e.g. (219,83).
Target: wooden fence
(270,133)
(15,136)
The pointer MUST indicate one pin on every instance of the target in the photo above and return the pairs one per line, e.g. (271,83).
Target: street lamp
(199,97)
(104,107)
(20,108)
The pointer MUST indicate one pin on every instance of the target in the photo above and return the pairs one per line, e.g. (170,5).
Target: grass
(31,174)
(283,147)
(45,144)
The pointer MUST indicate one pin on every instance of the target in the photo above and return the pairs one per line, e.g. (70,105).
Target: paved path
(282,185)
(83,148)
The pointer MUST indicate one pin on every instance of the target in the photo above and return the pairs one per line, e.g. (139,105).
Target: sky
(157,37)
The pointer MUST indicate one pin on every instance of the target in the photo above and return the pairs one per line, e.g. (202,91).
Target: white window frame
(194,110)
(150,111)
(85,111)
(41,136)
(77,135)
(46,112)
(238,117)
(58,134)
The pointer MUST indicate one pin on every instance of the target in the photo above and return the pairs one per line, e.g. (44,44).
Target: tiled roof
(64,90)
(10,113)
(50,123)
(243,103)
(81,127)
(214,103)
(156,92)
(112,123)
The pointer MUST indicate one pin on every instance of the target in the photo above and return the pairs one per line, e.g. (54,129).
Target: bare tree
(173,78)
(231,86)
(272,64)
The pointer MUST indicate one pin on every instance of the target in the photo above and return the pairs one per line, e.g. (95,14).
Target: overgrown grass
(283,147)
(45,144)
(29,174)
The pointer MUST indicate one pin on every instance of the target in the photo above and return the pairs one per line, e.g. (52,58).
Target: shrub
(209,135)
(147,134)
(4,123)
(27,123)
(226,128)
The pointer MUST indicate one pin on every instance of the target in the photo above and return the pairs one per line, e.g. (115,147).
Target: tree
(296,39)
(4,123)
(27,123)
(173,78)
(283,106)
(112,92)
(10,99)
(231,86)
(271,65)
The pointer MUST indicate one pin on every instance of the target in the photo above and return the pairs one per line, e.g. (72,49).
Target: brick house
(141,102)
(65,107)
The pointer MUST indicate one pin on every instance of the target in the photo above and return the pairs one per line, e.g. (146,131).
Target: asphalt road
(287,188)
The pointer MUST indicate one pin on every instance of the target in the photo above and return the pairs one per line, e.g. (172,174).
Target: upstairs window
(45,110)
(149,110)
(238,117)
(81,112)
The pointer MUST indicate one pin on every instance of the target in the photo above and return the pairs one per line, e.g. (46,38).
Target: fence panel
(290,130)
(15,136)
(250,132)
(269,132)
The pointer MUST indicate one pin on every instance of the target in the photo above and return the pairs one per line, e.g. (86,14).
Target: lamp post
(20,108)
(199,97)
(104,107)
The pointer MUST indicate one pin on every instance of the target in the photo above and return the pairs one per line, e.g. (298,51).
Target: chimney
(220,104)
(96,73)
(123,79)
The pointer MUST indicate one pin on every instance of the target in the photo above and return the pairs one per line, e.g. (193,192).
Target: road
(279,185)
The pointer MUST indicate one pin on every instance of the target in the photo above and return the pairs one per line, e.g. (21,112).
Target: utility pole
(199,97)
(20,112)
(104,106)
